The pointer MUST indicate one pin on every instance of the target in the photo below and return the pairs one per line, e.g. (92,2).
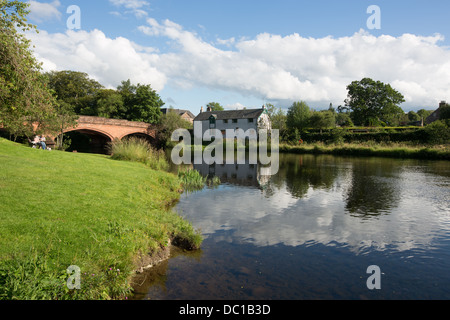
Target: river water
(312,231)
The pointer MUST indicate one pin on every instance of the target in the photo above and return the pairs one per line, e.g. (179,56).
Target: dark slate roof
(231,114)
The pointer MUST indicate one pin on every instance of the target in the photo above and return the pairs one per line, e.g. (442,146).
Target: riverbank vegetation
(62,209)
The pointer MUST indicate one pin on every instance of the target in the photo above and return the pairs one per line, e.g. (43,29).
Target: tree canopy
(24,96)
(373,102)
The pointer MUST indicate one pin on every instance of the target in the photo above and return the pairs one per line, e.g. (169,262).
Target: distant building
(437,114)
(184,114)
(244,119)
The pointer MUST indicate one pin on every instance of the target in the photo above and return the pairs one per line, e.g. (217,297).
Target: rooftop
(230,114)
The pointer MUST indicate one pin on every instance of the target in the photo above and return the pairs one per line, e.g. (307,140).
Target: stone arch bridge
(101,131)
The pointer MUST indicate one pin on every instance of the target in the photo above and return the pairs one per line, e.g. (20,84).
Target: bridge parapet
(112,122)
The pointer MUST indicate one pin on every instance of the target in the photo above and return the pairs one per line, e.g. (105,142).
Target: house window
(234,120)
(225,121)
(250,120)
(212,122)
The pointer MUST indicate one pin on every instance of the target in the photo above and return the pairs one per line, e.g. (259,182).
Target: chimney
(201,110)
(208,109)
(442,104)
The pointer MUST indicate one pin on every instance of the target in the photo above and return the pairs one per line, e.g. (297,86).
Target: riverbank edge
(424,153)
(441,152)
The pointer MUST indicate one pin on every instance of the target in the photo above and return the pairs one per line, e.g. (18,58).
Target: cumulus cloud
(40,12)
(272,67)
(107,60)
(316,70)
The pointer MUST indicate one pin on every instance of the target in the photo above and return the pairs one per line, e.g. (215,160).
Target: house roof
(231,114)
(178,111)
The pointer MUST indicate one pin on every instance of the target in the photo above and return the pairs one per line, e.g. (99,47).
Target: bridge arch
(88,140)
(148,137)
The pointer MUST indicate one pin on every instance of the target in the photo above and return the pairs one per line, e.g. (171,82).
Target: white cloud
(40,12)
(107,60)
(267,67)
(134,6)
(315,70)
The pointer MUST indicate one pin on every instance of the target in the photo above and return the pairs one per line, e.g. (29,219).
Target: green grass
(192,180)
(59,209)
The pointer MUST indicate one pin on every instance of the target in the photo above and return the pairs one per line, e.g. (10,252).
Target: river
(312,231)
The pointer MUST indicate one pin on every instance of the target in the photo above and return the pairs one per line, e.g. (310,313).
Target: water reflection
(360,203)
(312,230)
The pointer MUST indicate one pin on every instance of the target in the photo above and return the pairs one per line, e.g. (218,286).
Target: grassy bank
(61,209)
(394,150)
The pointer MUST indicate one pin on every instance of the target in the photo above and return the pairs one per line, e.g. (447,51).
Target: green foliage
(75,89)
(215,106)
(445,112)
(192,180)
(438,132)
(373,103)
(138,150)
(24,97)
(298,116)
(140,103)
(170,122)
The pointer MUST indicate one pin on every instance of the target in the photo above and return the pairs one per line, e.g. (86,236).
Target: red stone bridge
(101,131)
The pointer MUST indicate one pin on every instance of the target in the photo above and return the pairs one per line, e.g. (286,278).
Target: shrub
(438,132)
(138,150)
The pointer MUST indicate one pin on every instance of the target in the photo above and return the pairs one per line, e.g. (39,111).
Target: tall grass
(138,150)
(192,180)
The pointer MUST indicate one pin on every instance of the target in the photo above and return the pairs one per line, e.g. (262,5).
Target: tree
(109,104)
(25,101)
(76,89)
(413,116)
(140,103)
(373,102)
(445,112)
(322,120)
(278,119)
(170,122)
(215,106)
(343,119)
(298,116)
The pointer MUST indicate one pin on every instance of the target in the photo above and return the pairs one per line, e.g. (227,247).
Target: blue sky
(245,53)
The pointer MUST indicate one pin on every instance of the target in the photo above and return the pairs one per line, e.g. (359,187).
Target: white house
(244,119)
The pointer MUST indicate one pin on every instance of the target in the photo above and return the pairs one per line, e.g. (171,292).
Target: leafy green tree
(445,112)
(373,102)
(215,106)
(170,122)
(140,103)
(424,113)
(322,120)
(343,119)
(298,116)
(278,119)
(76,89)
(413,116)
(25,101)
(109,104)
